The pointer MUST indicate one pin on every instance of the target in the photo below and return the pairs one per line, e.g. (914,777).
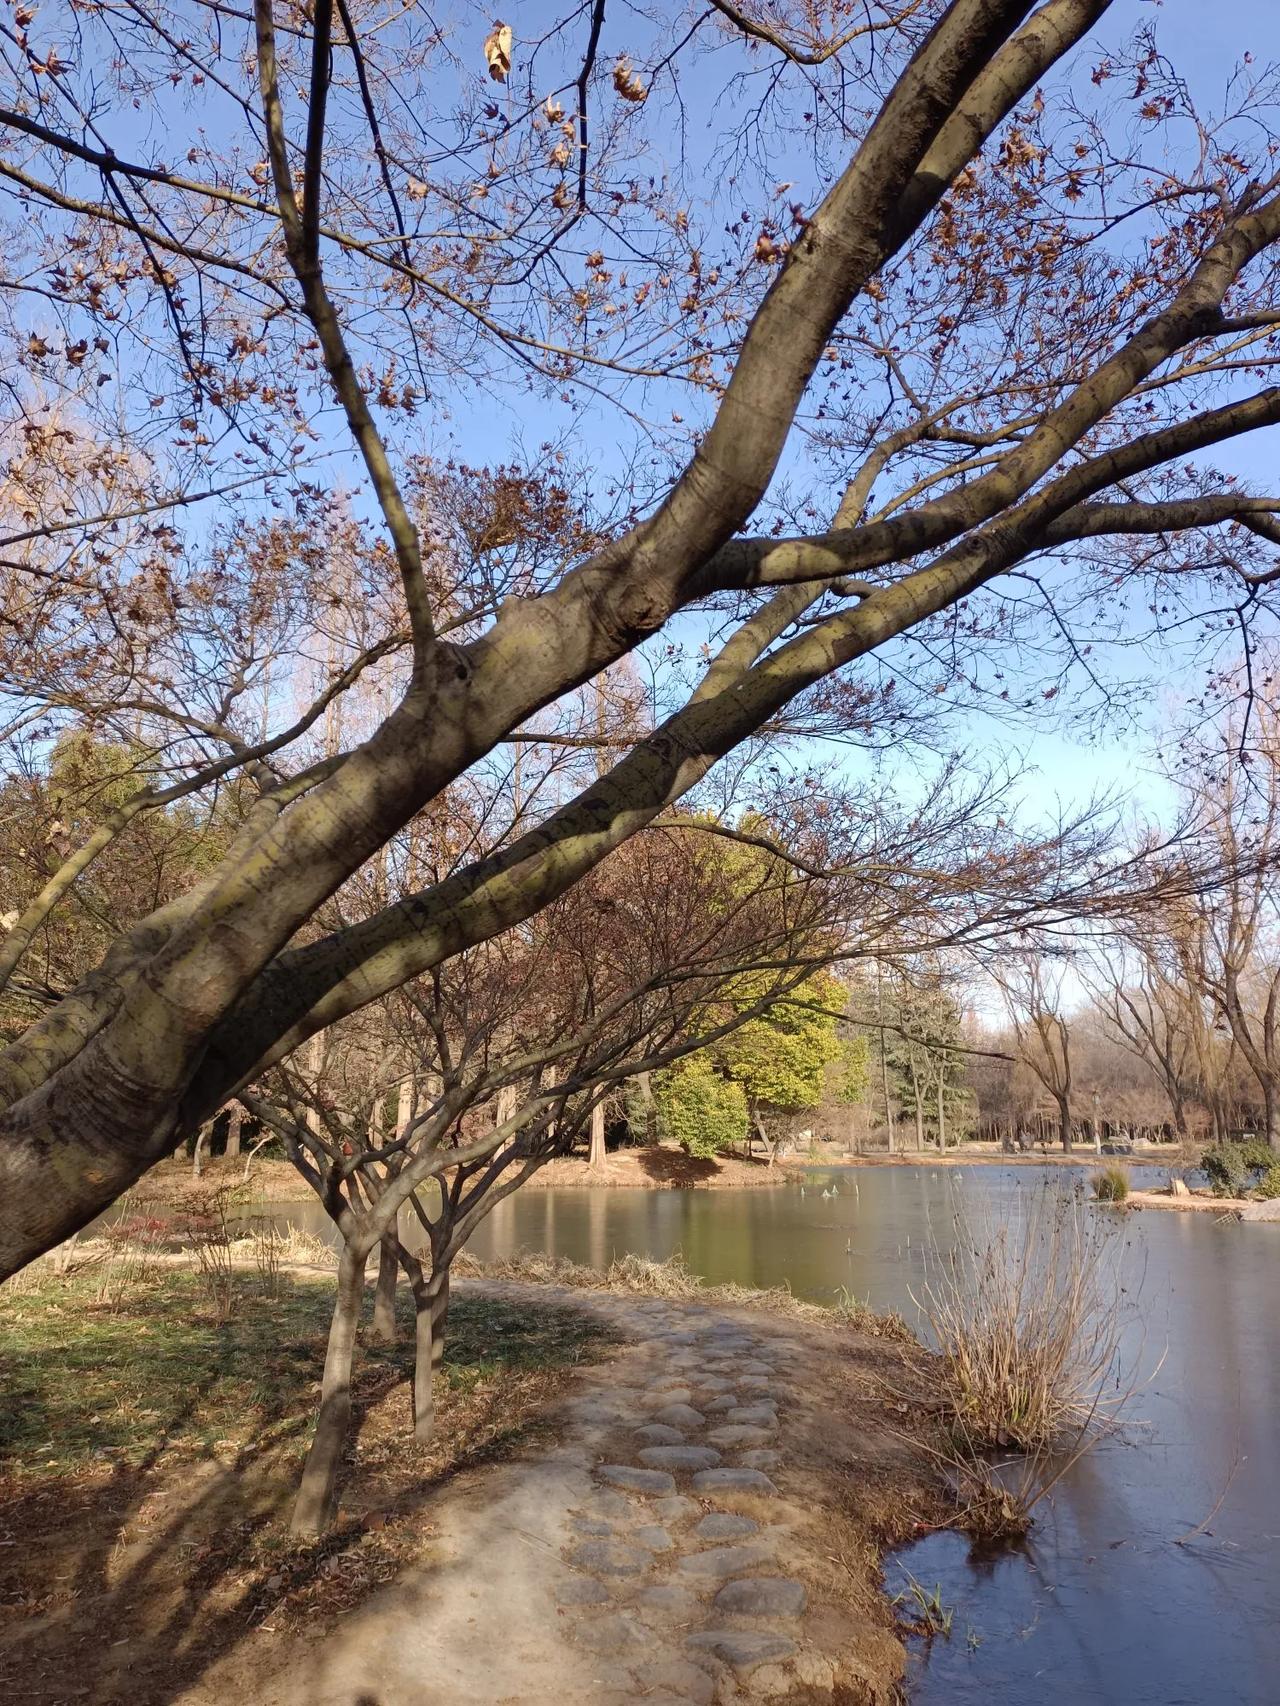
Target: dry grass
(1028,1317)
(292,1246)
(76,1256)
(269,1180)
(857,1312)
(1110,1183)
(637,1276)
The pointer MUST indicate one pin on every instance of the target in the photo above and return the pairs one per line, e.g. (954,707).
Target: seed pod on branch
(628,84)
(497,51)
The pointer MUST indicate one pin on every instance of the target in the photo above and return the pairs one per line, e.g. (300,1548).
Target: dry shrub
(1028,1316)
(268,1255)
(133,1246)
(209,1232)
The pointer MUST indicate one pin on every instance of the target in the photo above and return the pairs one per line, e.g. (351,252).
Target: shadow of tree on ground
(674,1167)
(127,1572)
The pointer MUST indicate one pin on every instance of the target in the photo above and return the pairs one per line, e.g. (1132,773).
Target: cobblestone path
(665,1543)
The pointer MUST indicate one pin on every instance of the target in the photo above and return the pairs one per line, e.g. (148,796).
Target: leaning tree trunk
(431,1311)
(382,1329)
(318,1494)
(770,1145)
(197,1153)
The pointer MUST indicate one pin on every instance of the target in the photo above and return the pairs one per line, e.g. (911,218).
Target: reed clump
(1110,1184)
(1028,1316)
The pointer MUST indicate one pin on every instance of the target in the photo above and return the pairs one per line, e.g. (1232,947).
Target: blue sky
(1062,765)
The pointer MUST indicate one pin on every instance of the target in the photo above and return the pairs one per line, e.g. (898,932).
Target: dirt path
(671,1544)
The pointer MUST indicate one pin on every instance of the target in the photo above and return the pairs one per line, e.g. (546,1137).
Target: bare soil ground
(149,1453)
(657,1168)
(1200,1202)
(969,1154)
(171,1183)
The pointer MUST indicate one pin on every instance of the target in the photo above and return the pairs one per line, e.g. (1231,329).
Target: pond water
(1103,1605)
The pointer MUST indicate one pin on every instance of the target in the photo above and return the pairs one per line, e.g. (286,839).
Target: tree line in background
(1162,1022)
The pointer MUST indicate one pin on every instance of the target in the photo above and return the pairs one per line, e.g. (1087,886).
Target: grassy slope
(149,1451)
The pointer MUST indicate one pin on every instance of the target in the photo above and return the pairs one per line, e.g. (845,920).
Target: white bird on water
(826,1193)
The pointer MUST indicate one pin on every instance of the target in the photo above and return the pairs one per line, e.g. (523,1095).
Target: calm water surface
(1103,1606)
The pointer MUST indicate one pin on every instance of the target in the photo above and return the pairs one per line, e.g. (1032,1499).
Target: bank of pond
(1147,1578)
(1149,1575)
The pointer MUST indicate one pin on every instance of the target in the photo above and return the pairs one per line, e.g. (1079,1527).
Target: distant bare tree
(1153,1016)
(1227,935)
(1032,989)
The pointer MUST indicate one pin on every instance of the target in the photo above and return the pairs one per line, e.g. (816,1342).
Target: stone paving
(680,1567)
(664,1542)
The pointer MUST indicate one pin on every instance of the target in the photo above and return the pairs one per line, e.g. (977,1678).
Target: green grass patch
(155,1377)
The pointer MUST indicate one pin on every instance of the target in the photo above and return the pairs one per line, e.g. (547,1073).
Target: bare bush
(268,1244)
(210,1233)
(133,1245)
